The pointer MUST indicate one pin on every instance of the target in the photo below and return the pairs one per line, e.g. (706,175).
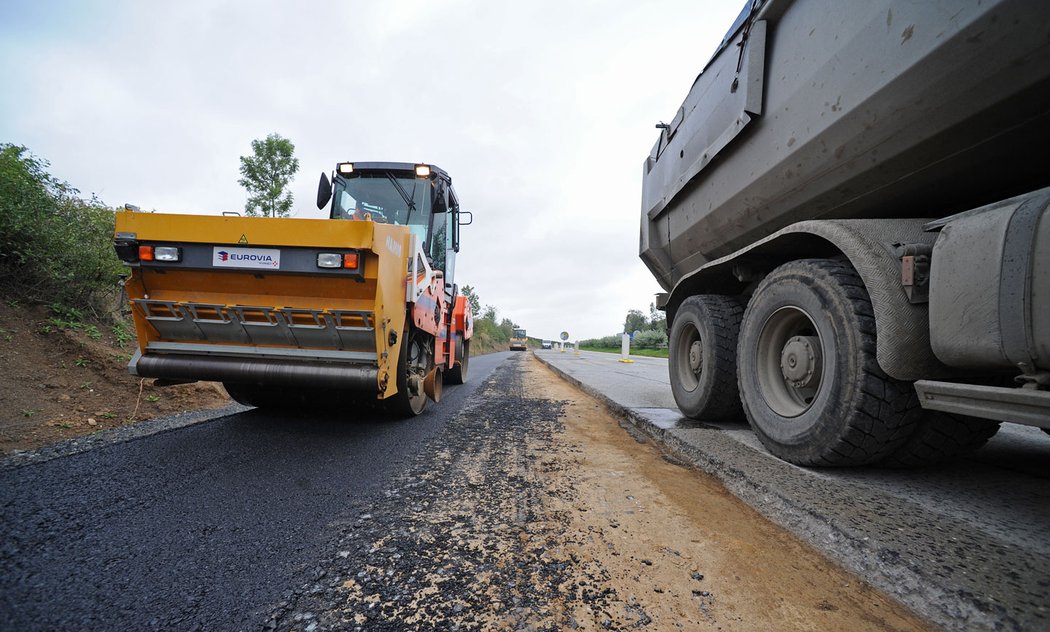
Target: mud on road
(535,510)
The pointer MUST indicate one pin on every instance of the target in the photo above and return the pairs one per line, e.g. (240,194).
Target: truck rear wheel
(413,364)
(702,357)
(458,373)
(809,381)
(939,436)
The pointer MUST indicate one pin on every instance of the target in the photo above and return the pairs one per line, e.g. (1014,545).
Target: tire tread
(940,436)
(723,314)
(884,414)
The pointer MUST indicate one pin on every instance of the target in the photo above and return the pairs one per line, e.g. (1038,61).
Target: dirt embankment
(61,382)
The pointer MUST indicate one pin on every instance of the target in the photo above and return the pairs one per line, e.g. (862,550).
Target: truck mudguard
(902,328)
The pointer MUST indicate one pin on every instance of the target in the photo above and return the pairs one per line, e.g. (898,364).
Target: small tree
(472,299)
(657,319)
(507,326)
(265,175)
(635,321)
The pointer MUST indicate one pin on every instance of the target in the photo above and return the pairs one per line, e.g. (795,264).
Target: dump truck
(519,340)
(848,216)
(285,312)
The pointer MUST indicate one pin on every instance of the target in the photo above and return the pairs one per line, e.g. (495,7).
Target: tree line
(491,333)
(646,331)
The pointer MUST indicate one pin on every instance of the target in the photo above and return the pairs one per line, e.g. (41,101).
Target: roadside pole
(625,348)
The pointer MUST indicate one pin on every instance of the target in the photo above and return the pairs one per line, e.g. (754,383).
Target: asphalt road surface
(255,521)
(206,527)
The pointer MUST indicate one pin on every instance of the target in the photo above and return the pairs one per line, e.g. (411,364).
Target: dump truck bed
(819,109)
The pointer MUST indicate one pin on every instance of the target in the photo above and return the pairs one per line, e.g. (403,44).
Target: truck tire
(702,357)
(809,381)
(415,359)
(939,436)
(458,373)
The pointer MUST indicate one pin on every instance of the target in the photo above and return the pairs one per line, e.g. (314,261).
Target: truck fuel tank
(990,286)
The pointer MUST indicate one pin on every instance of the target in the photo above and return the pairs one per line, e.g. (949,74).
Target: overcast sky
(541,111)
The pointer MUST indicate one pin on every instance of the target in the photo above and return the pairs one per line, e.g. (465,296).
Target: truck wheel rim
(790,361)
(689,358)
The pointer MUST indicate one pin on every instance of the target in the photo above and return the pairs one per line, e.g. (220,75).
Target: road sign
(564,335)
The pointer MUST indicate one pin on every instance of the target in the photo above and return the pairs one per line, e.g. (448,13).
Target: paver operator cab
(293,312)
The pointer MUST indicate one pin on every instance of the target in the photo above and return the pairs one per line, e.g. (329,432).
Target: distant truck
(519,340)
(849,216)
(547,344)
(292,312)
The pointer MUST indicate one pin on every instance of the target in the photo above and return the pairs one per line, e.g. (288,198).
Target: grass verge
(650,353)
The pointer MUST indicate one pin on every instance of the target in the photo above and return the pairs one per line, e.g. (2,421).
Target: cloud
(542,112)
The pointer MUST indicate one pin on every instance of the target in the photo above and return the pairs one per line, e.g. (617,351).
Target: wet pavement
(965,544)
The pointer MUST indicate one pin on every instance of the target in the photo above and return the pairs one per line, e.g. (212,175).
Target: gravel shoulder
(962,543)
(535,509)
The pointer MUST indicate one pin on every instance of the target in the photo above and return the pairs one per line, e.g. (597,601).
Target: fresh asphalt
(965,544)
(204,526)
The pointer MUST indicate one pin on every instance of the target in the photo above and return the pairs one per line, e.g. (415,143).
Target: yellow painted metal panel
(251,231)
(382,290)
(392,246)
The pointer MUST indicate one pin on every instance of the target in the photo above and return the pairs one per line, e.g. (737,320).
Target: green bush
(491,330)
(649,340)
(644,340)
(605,342)
(54,246)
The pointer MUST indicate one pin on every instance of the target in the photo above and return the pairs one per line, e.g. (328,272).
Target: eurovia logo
(247,258)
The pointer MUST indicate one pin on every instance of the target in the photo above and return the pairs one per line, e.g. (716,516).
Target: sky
(541,111)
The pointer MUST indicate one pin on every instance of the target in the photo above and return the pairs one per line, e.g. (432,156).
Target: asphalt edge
(840,547)
(120,434)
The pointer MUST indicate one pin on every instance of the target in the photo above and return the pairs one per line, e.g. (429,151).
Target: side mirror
(469,217)
(324,191)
